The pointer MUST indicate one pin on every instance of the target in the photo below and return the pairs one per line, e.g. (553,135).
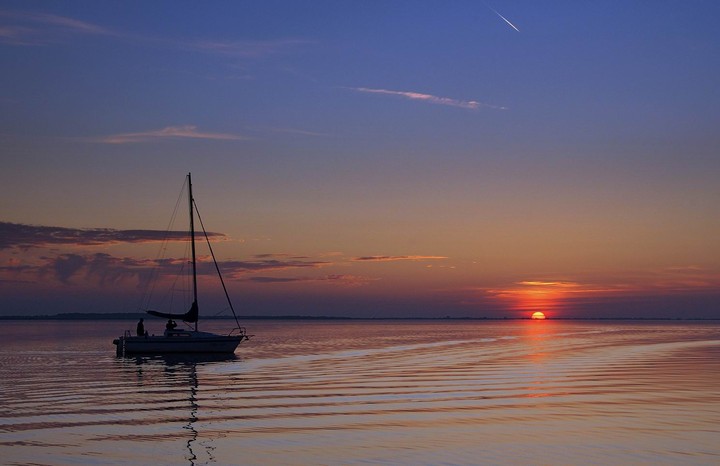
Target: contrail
(503,18)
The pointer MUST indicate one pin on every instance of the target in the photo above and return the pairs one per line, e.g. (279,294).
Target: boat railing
(127,334)
(241,330)
(177,333)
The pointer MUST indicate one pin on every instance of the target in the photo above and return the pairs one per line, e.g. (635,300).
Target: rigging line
(152,280)
(217,267)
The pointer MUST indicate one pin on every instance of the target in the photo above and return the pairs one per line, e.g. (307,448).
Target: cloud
(681,278)
(537,289)
(278,255)
(67,265)
(239,268)
(294,131)
(26,236)
(169,132)
(104,269)
(396,258)
(245,48)
(549,284)
(333,279)
(99,269)
(429,98)
(273,279)
(36,29)
(68,24)
(562,294)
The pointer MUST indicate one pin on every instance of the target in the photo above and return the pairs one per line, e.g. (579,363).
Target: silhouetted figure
(140,328)
(170,325)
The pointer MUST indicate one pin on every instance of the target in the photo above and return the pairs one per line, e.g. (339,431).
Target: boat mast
(192,245)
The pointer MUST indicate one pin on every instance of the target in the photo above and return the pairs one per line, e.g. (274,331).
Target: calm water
(401,393)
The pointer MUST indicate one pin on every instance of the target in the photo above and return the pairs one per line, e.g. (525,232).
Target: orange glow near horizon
(536,296)
(538,316)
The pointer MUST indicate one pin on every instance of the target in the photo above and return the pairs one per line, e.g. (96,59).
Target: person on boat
(170,325)
(140,328)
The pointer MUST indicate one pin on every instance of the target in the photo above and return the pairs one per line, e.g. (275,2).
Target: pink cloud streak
(169,132)
(429,98)
(396,258)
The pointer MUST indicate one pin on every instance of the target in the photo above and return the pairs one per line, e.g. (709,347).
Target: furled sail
(190,316)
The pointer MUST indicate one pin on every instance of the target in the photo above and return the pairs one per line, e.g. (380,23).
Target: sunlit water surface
(368,392)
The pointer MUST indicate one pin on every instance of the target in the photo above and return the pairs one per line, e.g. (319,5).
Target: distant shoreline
(134,316)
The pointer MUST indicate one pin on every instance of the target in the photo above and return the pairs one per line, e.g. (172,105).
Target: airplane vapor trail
(503,18)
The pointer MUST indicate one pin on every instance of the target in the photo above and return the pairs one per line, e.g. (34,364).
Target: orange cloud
(555,295)
(396,258)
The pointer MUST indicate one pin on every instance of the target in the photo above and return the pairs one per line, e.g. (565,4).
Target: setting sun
(538,315)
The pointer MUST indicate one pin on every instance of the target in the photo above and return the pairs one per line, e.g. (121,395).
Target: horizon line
(134,315)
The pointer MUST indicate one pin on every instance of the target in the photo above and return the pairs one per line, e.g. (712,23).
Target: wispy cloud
(396,258)
(169,132)
(536,289)
(245,48)
(36,29)
(429,98)
(685,277)
(33,29)
(549,284)
(559,294)
(333,279)
(17,235)
(300,132)
(69,24)
(279,255)
(237,269)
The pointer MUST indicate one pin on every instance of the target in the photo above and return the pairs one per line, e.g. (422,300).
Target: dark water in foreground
(403,393)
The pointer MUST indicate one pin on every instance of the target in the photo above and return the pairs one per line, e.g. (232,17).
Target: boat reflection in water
(179,376)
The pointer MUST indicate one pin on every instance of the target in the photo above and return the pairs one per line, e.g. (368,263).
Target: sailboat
(175,340)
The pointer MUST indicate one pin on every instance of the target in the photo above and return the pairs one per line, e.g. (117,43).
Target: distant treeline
(138,315)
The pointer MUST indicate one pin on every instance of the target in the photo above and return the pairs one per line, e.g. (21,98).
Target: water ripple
(362,393)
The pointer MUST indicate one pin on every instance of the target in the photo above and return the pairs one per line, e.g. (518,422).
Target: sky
(365,158)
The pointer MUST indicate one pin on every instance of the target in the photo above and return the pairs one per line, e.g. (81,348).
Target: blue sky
(492,158)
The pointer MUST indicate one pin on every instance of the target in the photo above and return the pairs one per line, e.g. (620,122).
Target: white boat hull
(178,342)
